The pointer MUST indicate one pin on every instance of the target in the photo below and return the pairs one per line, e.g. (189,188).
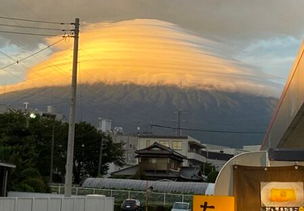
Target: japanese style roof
(159,149)
(161,136)
(129,171)
(186,173)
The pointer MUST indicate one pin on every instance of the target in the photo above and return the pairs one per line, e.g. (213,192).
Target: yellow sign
(282,195)
(213,203)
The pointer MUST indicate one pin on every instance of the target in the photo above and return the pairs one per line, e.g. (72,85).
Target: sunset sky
(231,45)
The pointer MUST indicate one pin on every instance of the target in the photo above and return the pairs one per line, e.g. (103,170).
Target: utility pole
(70,151)
(52,149)
(100,158)
(179,113)
(27,123)
(178,128)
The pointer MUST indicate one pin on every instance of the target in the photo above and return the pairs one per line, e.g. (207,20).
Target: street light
(32,115)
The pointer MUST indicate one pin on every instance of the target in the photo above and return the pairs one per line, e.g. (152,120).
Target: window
(177,145)
(147,143)
(153,160)
(165,143)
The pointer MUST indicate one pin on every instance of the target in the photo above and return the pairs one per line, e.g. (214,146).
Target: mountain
(130,106)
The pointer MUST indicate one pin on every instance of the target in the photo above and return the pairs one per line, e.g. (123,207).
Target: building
(104,125)
(219,155)
(197,154)
(185,145)
(4,171)
(130,146)
(158,162)
(285,129)
(50,112)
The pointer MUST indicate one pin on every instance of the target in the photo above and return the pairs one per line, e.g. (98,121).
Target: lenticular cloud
(148,52)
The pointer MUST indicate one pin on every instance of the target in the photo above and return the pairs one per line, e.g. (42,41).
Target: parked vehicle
(181,206)
(131,205)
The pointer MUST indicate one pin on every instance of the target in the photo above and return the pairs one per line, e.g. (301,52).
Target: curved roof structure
(286,127)
(141,185)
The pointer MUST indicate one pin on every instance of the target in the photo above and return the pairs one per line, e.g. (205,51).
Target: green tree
(17,145)
(87,151)
(212,176)
(207,167)
(26,143)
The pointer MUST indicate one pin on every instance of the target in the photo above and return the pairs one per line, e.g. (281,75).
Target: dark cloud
(229,19)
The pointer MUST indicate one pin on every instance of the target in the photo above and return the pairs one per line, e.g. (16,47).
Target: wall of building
(130,147)
(144,142)
(160,164)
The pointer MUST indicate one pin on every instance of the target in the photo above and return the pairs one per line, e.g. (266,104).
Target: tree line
(27,143)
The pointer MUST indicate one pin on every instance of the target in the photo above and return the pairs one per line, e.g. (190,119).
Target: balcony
(196,156)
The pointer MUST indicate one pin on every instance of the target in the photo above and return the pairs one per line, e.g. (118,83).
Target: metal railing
(155,198)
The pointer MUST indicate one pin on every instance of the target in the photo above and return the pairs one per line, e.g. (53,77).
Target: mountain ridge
(130,106)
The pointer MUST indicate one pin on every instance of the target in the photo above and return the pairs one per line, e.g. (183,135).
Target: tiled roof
(165,150)
(129,171)
(161,136)
(186,173)
(191,173)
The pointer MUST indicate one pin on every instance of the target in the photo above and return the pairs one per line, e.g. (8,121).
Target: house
(158,162)
(184,145)
(4,171)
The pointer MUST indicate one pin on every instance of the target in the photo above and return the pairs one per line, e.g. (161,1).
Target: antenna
(178,121)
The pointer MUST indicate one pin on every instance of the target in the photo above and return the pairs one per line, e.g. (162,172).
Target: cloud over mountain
(149,52)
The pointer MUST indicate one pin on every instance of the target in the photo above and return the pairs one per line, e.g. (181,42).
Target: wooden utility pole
(100,158)
(52,148)
(70,151)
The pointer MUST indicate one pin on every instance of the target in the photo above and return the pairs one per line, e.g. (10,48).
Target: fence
(89,203)
(119,195)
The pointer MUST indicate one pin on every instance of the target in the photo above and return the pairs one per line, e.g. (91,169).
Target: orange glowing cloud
(147,52)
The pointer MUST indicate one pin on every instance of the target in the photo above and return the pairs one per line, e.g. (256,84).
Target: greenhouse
(142,185)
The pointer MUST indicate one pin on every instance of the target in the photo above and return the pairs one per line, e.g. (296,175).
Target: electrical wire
(35,53)
(30,82)
(54,67)
(35,21)
(20,60)
(208,131)
(34,34)
(33,27)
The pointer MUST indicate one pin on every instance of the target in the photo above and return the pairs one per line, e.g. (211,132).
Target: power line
(23,79)
(55,67)
(32,27)
(34,34)
(209,131)
(35,21)
(17,61)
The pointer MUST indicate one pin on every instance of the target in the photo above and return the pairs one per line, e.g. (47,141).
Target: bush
(23,188)
(36,183)
(31,173)
(212,176)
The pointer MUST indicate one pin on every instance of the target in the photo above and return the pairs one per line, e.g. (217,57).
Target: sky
(230,45)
